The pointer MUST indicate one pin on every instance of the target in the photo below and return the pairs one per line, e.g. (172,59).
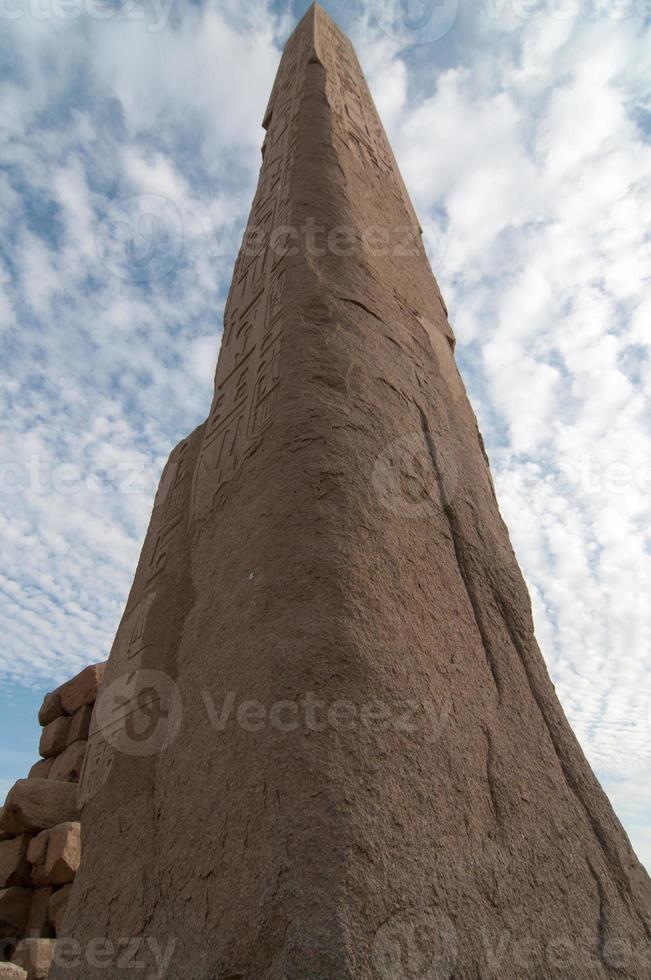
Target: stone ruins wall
(40,842)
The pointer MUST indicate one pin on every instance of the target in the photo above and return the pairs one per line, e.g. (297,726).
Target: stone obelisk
(327,745)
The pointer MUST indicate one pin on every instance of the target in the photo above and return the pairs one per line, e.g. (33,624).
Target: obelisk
(327,745)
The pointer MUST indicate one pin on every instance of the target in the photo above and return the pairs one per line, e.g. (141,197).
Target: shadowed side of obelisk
(502,824)
(360,769)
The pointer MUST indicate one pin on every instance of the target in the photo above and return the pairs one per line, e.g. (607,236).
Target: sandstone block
(57,909)
(35,957)
(14,911)
(51,708)
(14,866)
(63,853)
(37,850)
(4,834)
(38,922)
(41,769)
(54,737)
(82,689)
(67,766)
(36,804)
(80,724)
(10,971)
(55,855)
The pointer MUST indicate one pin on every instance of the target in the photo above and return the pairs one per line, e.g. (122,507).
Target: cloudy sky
(523,130)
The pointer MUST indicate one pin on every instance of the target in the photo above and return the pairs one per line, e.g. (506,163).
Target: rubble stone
(80,724)
(82,689)
(35,957)
(38,923)
(14,911)
(63,853)
(41,769)
(54,737)
(51,709)
(33,805)
(68,765)
(14,866)
(4,834)
(57,909)
(11,971)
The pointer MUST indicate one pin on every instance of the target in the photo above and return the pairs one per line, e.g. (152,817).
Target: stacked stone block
(40,841)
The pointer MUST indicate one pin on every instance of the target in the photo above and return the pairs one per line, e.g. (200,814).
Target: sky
(523,131)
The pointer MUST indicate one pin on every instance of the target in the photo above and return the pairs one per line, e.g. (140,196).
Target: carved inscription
(358,123)
(248,374)
(173,491)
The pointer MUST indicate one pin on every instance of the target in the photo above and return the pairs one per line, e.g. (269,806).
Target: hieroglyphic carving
(120,724)
(357,122)
(137,641)
(172,494)
(248,373)
(99,758)
(249,369)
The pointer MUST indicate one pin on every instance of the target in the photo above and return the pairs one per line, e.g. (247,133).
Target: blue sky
(523,132)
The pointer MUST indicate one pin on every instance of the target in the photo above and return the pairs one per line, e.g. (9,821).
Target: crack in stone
(602,926)
(613,860)
(362,306)
(457,540)
(490,776)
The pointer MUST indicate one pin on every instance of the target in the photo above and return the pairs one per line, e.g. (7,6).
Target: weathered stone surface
(331,535)
(57,909)
(68,765)
(41,769)
(4,833)
(80,724)
(35,956)
(37,850)
(54,737)
(51,708)
(14,911)
(36,804)
(10,971)
(63,853)
(38,922)
(14,866)
(82,689)
(55,855)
